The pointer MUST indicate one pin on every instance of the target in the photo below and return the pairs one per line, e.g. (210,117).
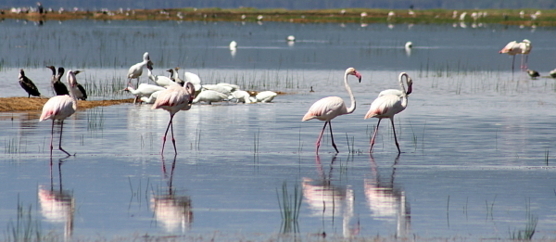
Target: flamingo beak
(358,75)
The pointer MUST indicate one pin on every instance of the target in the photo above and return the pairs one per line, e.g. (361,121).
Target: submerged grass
(530,226)
(290,205)
(25,227)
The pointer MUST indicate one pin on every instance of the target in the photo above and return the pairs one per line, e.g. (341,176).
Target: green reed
(290,205)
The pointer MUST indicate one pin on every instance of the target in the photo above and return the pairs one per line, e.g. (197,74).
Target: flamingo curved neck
(400,79)
(351,97)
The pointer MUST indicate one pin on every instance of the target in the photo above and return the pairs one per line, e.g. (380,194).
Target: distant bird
(389,103)
(162,81)
(552,73)
(210,96)
(221,88)
(533,74)
(176,76)
(58,86)
(233,45)
(28,85)
(266,96)
(174,99)
(144,90)
(194,79)
(526,47)
(135,71)
(59,108)
(290,38)
(240,96)
(152,98)
(409,45)
(328,108)
(79,90)
(513,48)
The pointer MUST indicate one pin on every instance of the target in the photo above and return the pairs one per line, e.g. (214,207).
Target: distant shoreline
(528,17)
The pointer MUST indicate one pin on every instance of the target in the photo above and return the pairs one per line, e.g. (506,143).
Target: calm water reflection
(477,140)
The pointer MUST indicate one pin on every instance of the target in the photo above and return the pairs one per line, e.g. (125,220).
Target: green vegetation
(351,15)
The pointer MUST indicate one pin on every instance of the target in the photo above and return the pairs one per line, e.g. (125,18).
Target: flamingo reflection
(171,210)
(329,201)
(57,205)
(386,201)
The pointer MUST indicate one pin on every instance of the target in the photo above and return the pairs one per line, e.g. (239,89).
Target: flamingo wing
(326,109)
(58,107)
(386,106)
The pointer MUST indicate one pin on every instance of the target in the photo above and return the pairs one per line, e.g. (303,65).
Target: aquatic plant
(95,119)
(530,226)
(290,205)
(25,227)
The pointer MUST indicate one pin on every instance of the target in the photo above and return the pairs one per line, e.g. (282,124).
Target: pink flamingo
(59,108)
(389,103)
(513,48)
(174,99)
(328,108)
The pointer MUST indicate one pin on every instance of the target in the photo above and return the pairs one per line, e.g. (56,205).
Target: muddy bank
(17,104)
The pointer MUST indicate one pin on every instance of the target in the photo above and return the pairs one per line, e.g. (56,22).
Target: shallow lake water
(477,140)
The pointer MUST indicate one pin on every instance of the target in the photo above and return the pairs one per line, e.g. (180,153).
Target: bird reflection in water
(172,210)
(386,201)
(57,205)
(329,201)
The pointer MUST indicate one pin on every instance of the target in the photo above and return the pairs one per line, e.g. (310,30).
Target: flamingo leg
(60,143)
(51,140)
(173,139)
(332,136)
(513,61)
(395,138)
(374,135)
(320,136)
(166,133)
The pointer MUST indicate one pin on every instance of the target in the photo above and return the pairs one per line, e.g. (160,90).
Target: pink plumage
(328,108)
(389,103)
(59,108)
(174,99)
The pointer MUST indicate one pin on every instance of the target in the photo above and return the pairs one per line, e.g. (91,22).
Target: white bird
(290,38)
(526,49)
(389,103)
(59,108)
(209,96)
(552,73)
(233,45)
(152,98)
(233,87)
(162,81)
(224,89)
(241,96)
(144,89)
(408,45)
(194,79)
(266,96)
(135,71)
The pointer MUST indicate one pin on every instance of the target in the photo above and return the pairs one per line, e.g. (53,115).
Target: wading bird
(79,90)
(174,99)
(135,71)
(513,48)
(59,108)
(58,86)
(28,85)
(533,74)
(328,108)
(162,81)
(389,103)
